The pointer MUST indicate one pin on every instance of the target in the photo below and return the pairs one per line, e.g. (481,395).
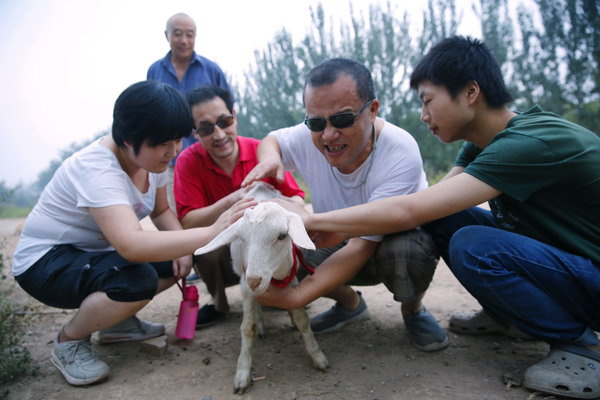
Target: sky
(64,62)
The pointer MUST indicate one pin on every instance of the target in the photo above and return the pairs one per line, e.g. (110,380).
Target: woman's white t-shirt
(92,177)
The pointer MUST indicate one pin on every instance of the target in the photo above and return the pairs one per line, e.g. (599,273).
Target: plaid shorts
(404,262)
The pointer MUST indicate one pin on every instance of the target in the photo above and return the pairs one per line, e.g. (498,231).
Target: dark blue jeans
(544,291)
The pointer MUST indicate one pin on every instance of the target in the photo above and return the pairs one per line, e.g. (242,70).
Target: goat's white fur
(261,249)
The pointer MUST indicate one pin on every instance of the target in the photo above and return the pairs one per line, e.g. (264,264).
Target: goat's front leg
(259,319)
(243,373)
(302,322)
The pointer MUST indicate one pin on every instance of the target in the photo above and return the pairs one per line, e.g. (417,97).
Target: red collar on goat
(297,253)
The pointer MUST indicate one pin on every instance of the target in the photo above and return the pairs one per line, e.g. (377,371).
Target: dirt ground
(371,359)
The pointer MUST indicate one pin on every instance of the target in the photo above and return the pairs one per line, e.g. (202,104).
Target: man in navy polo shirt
(184,69)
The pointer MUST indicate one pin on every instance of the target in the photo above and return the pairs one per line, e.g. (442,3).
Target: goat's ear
(222,239)
(298,232)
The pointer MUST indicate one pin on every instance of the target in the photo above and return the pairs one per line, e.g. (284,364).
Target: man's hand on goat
(234,213)
(239,194)
(264,169)
(292,205)
(281,297)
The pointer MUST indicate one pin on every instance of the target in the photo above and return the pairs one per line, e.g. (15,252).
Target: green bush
(15,360)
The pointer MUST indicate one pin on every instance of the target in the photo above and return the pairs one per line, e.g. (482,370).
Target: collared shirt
(199,182)
(200,71)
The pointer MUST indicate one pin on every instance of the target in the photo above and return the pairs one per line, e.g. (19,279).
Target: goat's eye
(281,236)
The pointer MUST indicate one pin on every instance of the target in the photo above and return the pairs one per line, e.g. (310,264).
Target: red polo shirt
(199,182)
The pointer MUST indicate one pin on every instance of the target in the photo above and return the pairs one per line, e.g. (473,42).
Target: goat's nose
(253,282)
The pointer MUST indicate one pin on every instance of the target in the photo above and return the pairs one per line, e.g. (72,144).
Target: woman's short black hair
(150,112)
(458,60)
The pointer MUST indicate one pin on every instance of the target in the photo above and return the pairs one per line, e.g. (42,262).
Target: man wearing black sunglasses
(348,156)
(208,175)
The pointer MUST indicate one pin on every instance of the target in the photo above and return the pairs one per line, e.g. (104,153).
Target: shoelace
(74,354)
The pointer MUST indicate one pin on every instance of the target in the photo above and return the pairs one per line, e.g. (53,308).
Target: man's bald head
(181,35)
(179,17)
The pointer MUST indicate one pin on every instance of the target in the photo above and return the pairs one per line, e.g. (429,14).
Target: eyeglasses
(207,128)
(339,120)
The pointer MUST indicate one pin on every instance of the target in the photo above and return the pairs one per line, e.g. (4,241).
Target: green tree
(551,57)
(528,81)
(496,29)
(16,201)
(272,94)
(557,65)
(6,192)
(44,177)
(440,20)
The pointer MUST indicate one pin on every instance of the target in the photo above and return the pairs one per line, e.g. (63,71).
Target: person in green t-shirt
(533,259)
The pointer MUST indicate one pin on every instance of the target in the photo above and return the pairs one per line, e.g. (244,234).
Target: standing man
(208,176)
(533,262)
(184,69)
(348,156)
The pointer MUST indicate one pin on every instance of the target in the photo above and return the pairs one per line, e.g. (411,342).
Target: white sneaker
(131,328)
(77,361)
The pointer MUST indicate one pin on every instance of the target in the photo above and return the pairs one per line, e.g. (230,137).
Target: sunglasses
(207,128)
(339,120)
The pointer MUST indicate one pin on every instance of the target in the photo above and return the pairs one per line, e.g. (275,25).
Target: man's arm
(335,271)
(402,213)
(298,200)
(206,216)
(269,157)
(453,172)
(191,191)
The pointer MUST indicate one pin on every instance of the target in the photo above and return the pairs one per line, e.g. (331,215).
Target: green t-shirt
(548,170)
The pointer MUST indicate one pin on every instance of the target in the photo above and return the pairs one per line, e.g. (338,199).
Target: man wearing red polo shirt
(208,177)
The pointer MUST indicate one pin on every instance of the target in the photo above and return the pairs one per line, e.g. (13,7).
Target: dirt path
(371,359)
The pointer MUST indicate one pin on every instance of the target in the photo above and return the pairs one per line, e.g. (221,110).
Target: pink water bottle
(188,312)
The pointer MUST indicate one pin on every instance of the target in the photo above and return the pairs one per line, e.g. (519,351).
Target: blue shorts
(65,276)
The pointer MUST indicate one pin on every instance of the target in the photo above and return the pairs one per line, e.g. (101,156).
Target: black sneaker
(207,316)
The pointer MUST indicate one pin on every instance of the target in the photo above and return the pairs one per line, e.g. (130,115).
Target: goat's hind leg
(302,322)
(243,378)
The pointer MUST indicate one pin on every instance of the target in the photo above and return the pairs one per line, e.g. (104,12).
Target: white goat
(261,251)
